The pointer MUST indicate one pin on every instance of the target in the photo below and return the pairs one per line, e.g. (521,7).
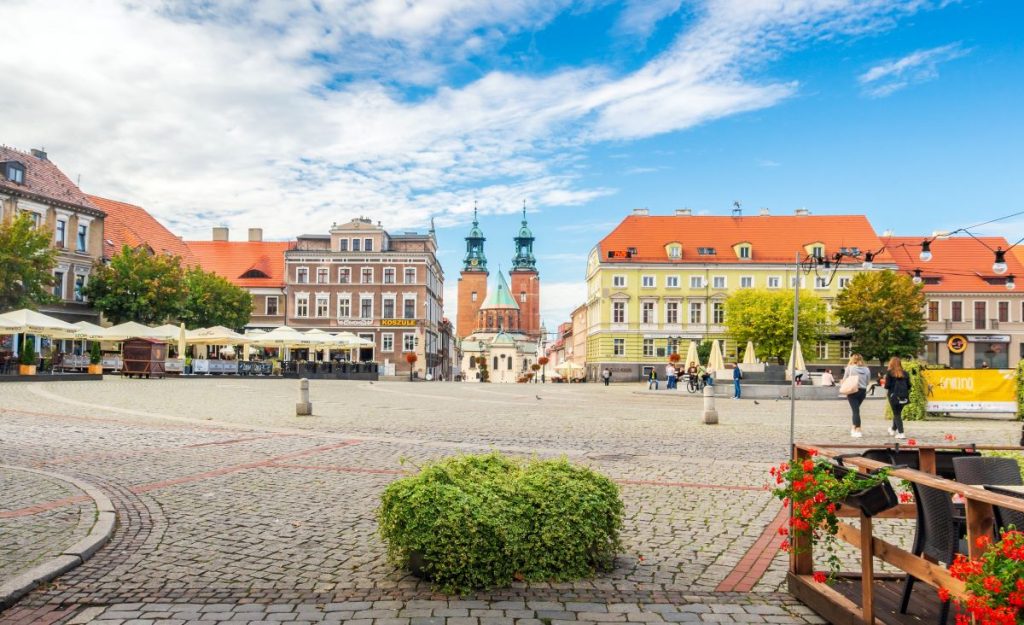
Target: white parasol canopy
(715,361)
(32,322)
(282,336)
(691,354)
(217,335)
(167,332)
(132,330)
(800,364)
(351,340)
(569,367)
(749,357)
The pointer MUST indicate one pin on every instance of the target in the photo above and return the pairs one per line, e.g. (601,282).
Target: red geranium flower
(820,577)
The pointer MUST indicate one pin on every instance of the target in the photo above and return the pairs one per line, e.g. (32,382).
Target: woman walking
(897,384)
(856,369)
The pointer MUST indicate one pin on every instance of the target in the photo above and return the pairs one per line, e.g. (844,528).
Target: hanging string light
(1010,284)
(999,267)
(869,260)
(926,251)
(917,276)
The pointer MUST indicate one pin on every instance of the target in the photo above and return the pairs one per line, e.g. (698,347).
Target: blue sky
(291,115)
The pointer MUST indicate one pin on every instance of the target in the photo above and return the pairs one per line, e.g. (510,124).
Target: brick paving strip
(74,555)
(755,562)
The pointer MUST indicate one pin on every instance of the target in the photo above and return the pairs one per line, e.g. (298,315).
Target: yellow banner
(971,390)
(401,323)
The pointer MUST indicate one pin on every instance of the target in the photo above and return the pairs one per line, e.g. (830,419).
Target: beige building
(577,349)
(386,288)
(30,183)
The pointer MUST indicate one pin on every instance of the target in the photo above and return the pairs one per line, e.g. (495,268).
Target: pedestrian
(737,375)
(670,376)
(897,384)
(606,375)
(827,379)
(691,371)
(855,387)
(878,382)
(652,380)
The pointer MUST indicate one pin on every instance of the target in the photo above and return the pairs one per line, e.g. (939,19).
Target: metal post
(710,414)
(303,408)
(792,367)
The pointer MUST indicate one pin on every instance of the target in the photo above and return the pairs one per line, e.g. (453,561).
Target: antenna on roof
(737,209)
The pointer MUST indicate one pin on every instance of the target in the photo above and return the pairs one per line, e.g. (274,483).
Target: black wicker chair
(995,471)
(939,536)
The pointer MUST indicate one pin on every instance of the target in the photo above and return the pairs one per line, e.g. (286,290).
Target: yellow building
(657,282)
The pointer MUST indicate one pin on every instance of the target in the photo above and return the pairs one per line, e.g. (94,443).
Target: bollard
(304,408)
(710,414)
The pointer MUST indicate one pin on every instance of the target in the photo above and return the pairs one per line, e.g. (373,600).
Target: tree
(26,264)
(703,351)
(213,301)
(884,310)
(766,318)
(138,286)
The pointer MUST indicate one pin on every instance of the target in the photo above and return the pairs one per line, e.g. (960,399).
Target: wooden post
(867,569)
(927,458)
(980,522)
(801,559)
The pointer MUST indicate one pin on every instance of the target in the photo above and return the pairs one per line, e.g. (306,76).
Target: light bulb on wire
(1010,284)
(917,276)
(999,267)
(926,251)
(869,258)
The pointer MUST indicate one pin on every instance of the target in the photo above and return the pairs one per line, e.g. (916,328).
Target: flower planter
(26,369)
(870,501)
(96,369)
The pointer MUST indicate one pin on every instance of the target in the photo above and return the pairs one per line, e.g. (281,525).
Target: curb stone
(102,529)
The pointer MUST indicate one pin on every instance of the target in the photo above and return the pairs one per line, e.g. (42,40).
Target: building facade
(30,183)
(974,315)
(386,288)
(499,340)
(657,282)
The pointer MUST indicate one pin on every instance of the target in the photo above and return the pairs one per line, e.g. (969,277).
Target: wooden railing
(837,608)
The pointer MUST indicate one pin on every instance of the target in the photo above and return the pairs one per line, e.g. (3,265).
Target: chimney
(220,233)
(684,212)
(255,234)
(40,154)
(801,212)
(641,211)
(765,212)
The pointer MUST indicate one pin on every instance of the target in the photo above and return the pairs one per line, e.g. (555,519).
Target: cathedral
(499,324)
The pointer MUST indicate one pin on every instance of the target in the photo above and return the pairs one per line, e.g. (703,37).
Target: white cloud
(917,67)
(558,299)
(639,17)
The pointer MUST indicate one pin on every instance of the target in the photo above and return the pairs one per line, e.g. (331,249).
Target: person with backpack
(897,385)
(737,375)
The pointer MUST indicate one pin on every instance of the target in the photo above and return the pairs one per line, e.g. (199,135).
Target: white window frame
(669,280)
(648,282)
(266,306)
(696,282)
(675,251)
(845,348)
(61,283)
(719,282)
(82,237)
(405,275)
(362,275)
(668,319)
(394,275)
(618,347)
(749,280)
(625,311)
(821,350)
(697,307)
(394,306)
(344,298)
(363,297)
(743,252)
(62,243)
(407,297)
(387,342)
(715,308)
(652,306)
(619,281)
(407,338)
(301,299)
(647,348)
(343,271)
(774,282)
(355,245)
(298,272)
(76,291)
(844,281)
(368,245)
(325,272)
(820,283)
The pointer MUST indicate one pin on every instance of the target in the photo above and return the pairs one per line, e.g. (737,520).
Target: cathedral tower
(472,280)
(526,281)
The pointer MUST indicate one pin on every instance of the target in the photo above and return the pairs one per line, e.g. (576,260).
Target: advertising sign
(971,390)
(398,323)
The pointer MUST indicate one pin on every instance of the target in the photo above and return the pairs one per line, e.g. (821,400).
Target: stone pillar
(710,414)
(303,408)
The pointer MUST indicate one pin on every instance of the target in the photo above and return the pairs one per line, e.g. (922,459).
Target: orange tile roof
(773,238)
(232,259)
(42,178)
(131,225)
(962,264)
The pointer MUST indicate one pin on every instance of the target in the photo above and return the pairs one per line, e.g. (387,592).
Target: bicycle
(694,384)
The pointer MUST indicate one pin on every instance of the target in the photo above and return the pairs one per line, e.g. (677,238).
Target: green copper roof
(500,296)
(503,338)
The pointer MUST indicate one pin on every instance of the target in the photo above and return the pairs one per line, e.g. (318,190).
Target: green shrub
(95,355)
(916,409)
(480,521)
(28,353)
(1020,389)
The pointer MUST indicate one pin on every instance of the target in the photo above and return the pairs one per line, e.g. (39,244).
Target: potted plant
(543,361)
(815,489)
(27,359)
(410,358)
(994,582)
(95,359)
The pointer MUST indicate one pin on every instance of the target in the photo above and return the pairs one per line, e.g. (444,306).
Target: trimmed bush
(478,521)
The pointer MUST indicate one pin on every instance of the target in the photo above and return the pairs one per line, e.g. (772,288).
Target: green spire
(524,247)
(500,296)
(475,259)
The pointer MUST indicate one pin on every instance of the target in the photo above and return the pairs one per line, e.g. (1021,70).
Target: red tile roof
(961,264)
(232,259)
(127,224)
(42,178)
(773,238)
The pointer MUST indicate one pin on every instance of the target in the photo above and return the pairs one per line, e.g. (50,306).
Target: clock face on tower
(474,262)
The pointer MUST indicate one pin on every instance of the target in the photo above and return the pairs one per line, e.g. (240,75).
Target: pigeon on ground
(757,403)
(537,396)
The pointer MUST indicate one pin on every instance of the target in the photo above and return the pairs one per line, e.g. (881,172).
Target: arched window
(495,367)
(510,364)
(253,273)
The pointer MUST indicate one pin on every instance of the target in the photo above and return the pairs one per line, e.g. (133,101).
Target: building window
(522,296)
(821,350)
(648,348)
(342,245)
(675,251)
(696,312)
(618,347)
(618,312)
(302,275)
(718,282)
(746,282)
(15,173)
(409,307)
(270,306)
(472,296)
(672,312)
(696,282)
(647,282)
(388,310)
(323,304)
(344,306)
(344,275)
(410,275)
(845,349)
(672,282)
(980,313)
(389,275)
(818,251)
(992,355)
(301,305)
(366,307)
(844,282)
(647,312)
(366,277)
(956,311)
(61,233)
(745,252)
(718,313)
(83,234)
(774,282)
(387,342)
(58,284)
(706,251)
(355,245)
(793,279)
(367,245)
(408,342)
(79,287)
(619,281)
(1004,312)
(322,275)
(933,310)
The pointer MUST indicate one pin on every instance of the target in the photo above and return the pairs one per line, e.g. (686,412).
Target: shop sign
(398,323)
(971,390)
(935,338)
(957,344)
(355,322)
(990,338)
(619,254)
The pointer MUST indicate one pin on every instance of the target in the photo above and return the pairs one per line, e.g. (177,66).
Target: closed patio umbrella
(749,357)
(798,353)
(182,341)
(715,360)
(691,354)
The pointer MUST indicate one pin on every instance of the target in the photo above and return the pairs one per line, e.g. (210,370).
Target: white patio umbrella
(8,327)
(216,335)
(691,354)
(132,330)
(354,341)
(282,336)
(798,353)
(32,322)
(182,340)
(749,357)
(324,341)
(715,360)
(167,332)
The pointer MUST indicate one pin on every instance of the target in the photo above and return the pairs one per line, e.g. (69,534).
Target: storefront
(970,351)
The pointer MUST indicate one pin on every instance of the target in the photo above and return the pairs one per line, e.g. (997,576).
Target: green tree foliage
(138,286)
(883,309)
(213,301)
(26,264)
(704,351)
(917,408)
(766,318)
(474,522)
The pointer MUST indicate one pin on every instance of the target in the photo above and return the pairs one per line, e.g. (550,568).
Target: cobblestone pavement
(233,510)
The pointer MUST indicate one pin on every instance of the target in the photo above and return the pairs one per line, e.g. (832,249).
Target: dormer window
(14,171)
(254,273)
(675,250)
(706,251)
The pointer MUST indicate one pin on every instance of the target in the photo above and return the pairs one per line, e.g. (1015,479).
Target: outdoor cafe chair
(987,470)
(1004,516)
(938,536)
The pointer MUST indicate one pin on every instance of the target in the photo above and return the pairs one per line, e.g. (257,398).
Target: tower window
(472,297)
(522,296)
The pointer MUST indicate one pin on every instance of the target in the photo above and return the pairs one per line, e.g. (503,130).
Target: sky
(294,114)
